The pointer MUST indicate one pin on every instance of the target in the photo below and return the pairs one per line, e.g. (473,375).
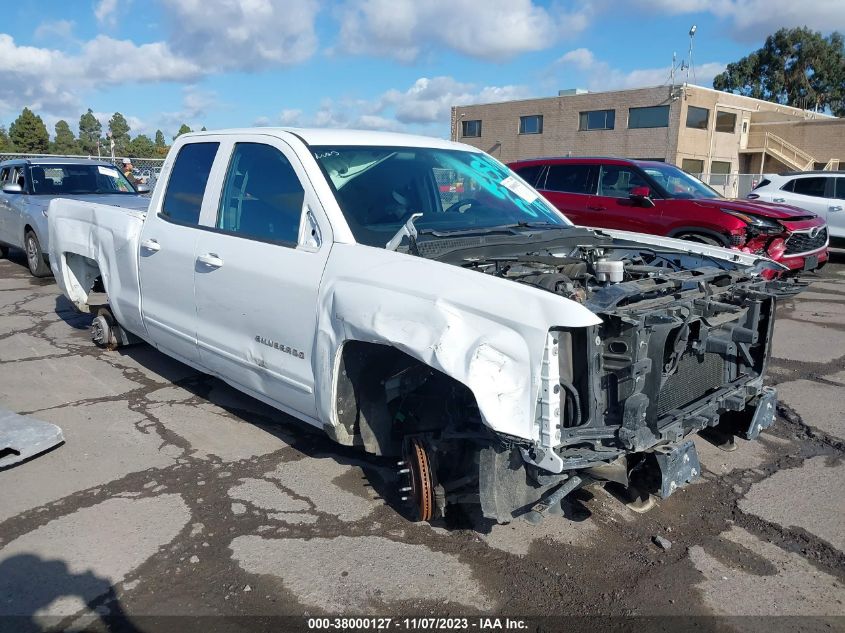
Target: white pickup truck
(414,297)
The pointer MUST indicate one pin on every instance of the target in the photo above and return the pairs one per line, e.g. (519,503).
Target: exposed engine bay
(682,348)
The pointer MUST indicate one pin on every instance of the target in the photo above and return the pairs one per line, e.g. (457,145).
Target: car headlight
(756,223)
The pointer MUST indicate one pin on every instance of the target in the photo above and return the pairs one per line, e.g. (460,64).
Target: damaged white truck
(415,298)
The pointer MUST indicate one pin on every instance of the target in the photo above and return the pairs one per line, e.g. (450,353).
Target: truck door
(258,269)
(167,253)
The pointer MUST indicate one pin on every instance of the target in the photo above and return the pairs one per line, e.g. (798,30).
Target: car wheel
(4,251)
(701,239)
(34,256)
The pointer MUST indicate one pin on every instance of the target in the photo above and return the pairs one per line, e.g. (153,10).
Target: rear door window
(530,174)
(262,198)
(570,179)
(810,186)
(185,189)
(840,188)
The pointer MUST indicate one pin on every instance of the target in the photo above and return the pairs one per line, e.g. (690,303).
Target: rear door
(570,187)
(258,263)
(612,207)
(167,253)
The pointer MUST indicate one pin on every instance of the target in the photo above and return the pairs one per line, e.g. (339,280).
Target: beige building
(705,131)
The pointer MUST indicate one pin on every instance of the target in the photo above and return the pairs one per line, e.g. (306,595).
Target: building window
(725,121)
(471,129)
(654,116)
(719,171)
(697,117)
(692,166)
(597,120)
(532,124)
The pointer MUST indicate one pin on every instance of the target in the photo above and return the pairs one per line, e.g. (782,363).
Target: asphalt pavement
(174,495)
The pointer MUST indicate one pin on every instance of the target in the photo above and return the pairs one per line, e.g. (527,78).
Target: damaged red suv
(657,198)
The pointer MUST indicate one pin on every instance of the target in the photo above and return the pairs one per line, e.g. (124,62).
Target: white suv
(822,192)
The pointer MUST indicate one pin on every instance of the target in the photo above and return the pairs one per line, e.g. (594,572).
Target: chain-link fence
(731,185)
(145,170)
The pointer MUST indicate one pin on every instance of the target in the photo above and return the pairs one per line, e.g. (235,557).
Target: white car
(822,192)
(501,355)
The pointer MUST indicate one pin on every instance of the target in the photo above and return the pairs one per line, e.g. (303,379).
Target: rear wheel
(4,251)
(701,239)
(35,256)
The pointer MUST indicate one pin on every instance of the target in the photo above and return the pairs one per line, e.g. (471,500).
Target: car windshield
(71,179)
(678,183)
(378,188)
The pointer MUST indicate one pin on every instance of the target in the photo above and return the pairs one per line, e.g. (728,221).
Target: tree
(29,134)
(5,141)
(796,67)
(142,147)
(90,131)
(160,144)
(64,142)
(183,129)
(119,129)
(202,129)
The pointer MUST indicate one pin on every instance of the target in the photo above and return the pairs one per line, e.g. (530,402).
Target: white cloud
(755,19)
(423,107)
(243,34)
(53,81)
(601,76)
(55,30)
(496,30)
(106,12)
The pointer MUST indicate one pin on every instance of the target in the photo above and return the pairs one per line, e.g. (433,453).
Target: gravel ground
(176,495)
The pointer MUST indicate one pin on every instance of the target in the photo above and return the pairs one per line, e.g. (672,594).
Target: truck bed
(88,240)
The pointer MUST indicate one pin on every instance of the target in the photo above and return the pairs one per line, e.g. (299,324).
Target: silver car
(28,185)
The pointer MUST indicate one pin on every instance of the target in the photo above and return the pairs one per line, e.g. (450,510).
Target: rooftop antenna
(692,31)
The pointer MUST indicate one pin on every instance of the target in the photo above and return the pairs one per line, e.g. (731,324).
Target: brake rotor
(421,494)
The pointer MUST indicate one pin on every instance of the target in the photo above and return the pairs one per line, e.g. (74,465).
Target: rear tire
(35,256)
(4,251)
(701,239)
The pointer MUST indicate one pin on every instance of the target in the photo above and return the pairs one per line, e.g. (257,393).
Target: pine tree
(29,134)
(183,129)
(90,131)
(5,141)
(160,144)
(64,142)
(142,147)
(119,129)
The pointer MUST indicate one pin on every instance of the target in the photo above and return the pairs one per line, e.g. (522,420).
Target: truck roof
(324,136)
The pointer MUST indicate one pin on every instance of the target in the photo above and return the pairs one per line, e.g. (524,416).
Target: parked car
(821,192)
(661,199)
(502,355)
(28,185)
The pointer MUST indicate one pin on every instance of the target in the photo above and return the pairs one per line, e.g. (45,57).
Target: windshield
(56,180)
(378,188)
(678,183)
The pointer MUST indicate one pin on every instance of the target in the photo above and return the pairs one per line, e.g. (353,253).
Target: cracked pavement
(175,494)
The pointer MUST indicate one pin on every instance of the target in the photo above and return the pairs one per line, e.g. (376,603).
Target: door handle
(596,207)
(835,208)
(778,199)
(211,260)
(151,245)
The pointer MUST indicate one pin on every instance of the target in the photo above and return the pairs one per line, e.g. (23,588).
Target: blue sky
(379,64)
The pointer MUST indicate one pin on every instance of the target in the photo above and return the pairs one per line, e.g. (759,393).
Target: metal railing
(146,170)
(781,149)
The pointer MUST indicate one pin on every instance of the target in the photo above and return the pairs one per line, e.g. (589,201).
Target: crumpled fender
(485,332)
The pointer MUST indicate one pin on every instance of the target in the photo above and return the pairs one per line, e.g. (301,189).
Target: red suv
(657,198)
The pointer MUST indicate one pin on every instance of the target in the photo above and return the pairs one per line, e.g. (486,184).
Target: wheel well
(680,233)
(82,277)
(383,394)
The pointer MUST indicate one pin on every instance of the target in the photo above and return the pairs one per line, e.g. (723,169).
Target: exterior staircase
(773,145)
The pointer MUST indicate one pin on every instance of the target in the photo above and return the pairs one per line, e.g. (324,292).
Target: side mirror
(641,196)
(142,188)
(12,187)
